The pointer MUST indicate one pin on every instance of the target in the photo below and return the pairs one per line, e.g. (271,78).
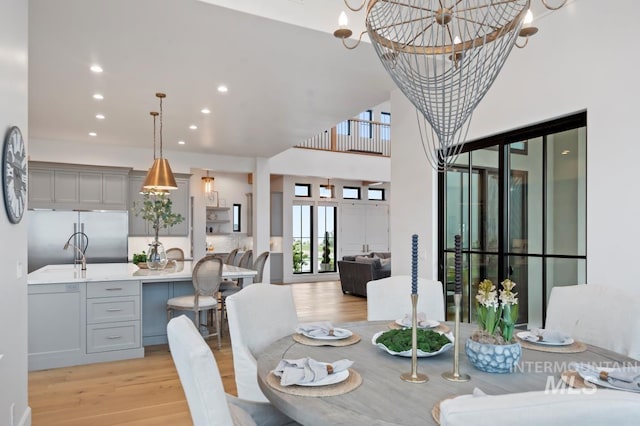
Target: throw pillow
(363,259)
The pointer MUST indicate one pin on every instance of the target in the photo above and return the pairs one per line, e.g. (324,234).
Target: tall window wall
(519,202)
(314,245)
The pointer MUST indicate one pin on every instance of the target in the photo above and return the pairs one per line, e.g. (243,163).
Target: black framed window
(302,190)
(385,130)
(375,194)
(237,209)
(351,192)
(365,125)
(519,202)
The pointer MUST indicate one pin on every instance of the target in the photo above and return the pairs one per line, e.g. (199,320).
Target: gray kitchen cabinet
(276,214)
(65,187)
(56,325)
(40,187)
(114,189)
(154,308)
(276,272)
(249,214)
(180,201)
(77,187)
(138,227)
(83,322)
(89,187)
(113,316)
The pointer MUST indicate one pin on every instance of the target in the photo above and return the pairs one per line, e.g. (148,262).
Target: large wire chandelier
(444,55)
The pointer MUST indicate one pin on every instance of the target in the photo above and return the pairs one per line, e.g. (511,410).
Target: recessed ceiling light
(181,142)
(93,134)
(223,89)
(100,116)
(205,111)
(96,68)
(565,152)
(98,96)
(193,127)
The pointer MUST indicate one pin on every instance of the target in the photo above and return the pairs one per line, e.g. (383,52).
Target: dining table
(383,398)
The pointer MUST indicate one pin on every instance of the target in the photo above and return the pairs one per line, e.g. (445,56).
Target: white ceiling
(286,83)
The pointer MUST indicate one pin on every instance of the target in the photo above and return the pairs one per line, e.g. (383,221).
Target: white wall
(13,254)
(581,59)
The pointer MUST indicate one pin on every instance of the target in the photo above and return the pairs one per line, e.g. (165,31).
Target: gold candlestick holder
(414,376)
(455,375)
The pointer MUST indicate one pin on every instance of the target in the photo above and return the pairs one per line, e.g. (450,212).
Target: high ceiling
(286,83)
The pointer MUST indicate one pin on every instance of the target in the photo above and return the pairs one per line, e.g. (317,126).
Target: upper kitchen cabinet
(276,214)
(138,227)
(77,187)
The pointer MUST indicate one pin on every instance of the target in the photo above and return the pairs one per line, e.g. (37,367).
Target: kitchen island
(108,312)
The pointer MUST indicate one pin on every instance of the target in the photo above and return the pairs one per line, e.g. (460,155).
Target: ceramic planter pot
(493,358)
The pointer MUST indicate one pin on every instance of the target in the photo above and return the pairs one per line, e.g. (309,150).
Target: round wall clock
(14,174)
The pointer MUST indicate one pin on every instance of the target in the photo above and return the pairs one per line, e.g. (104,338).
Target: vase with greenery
(493,347)
(156,209)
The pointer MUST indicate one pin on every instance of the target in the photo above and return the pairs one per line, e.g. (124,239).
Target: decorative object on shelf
(455,375)
(160,175)
(156,209)
(414,376)
(493,348)
(444,56)
(14,174)
(208,189)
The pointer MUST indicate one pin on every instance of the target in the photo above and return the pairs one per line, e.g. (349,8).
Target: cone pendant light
(160,175)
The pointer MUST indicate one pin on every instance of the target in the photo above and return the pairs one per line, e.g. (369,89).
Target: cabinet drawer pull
(114,289)
(114,310)
(114,337)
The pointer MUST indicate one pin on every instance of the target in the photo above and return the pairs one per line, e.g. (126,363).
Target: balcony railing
(354,136)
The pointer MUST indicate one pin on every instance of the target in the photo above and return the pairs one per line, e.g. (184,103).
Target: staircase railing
(354,136)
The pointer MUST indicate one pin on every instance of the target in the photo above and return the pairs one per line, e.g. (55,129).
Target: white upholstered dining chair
(258,315)
(602,407)
(605,316)
(390,298)
(208,404)
(206,278)
(175,253)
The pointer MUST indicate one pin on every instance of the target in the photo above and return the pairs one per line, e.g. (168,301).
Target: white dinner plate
(339,333)
(421,324)
(532,338)
(407,353)
(331,379)
(592,377)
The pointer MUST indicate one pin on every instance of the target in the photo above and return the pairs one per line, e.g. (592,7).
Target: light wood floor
(147,391)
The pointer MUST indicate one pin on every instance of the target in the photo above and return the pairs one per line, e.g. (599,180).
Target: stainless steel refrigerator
(49,230)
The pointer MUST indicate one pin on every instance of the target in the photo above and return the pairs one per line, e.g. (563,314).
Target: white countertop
(181,271)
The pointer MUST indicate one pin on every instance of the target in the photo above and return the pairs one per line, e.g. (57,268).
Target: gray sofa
(356,271)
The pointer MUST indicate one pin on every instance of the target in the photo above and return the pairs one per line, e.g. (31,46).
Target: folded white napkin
(549,336)
(407,321)
(307,370)
(624,378)
(321,329)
